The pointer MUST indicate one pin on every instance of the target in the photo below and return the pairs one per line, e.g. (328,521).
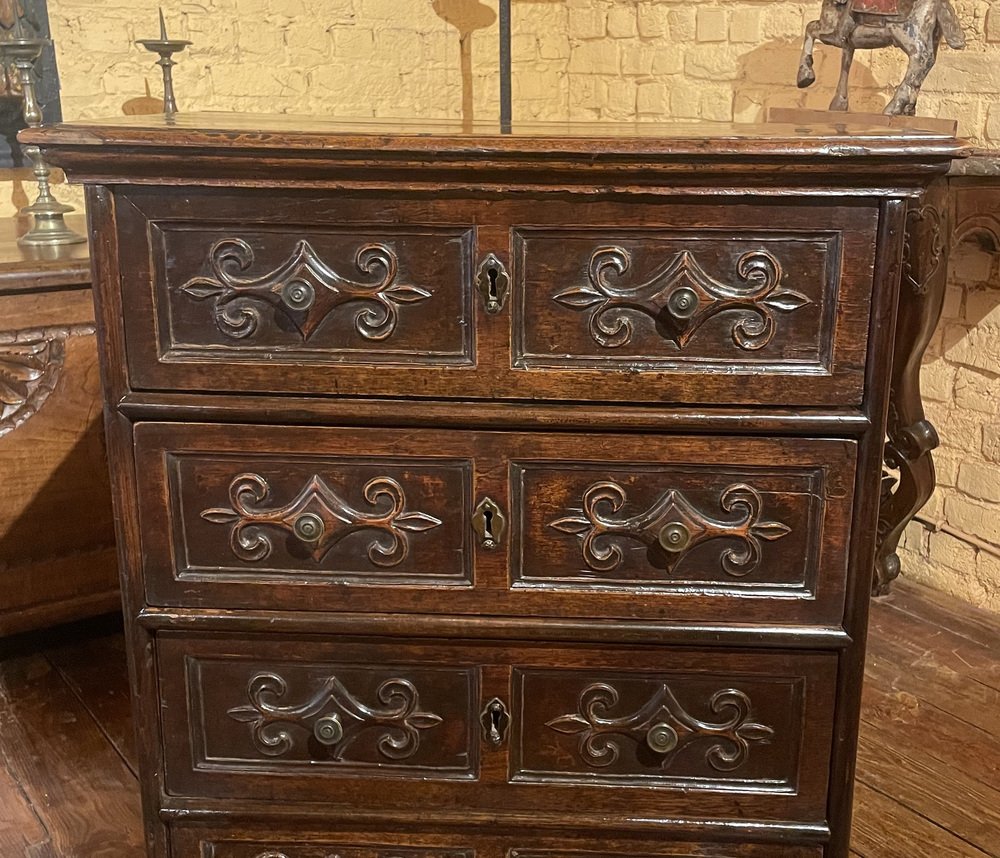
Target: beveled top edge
(277,132)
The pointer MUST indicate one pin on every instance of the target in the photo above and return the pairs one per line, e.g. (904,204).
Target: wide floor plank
(932,608)
(95,670)
(907,720)
(21,831)
(74,779)
(885,829)
(914,781)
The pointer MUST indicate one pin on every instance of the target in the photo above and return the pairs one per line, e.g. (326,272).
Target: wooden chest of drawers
(496,495)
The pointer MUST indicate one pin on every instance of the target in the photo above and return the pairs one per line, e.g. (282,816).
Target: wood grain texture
(72,776)
(742,271)
(204,514)
(56,530)
(915,795)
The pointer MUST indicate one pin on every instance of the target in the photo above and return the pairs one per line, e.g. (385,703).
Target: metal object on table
(49,229)
(166,48)
(915,27)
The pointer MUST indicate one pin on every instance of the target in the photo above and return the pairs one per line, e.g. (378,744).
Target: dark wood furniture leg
(909,480)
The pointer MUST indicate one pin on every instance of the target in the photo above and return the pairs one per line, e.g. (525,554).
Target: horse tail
(951,27)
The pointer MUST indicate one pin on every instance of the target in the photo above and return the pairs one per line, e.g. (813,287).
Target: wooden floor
(928,774)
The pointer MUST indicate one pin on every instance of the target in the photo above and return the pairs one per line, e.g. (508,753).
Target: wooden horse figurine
(914,26)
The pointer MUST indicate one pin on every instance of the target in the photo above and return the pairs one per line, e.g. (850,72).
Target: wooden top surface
(30,269)
(276,132)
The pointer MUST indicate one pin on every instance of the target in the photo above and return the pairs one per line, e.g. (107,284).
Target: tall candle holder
(166,48)
(49,228)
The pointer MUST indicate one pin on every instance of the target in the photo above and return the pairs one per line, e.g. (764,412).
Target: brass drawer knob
(674,537)
(662,738)
(328,730)
(683,303)
(309,527)
(298,295)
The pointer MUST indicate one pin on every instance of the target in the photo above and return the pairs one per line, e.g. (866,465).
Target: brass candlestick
(166,48)
(49,227)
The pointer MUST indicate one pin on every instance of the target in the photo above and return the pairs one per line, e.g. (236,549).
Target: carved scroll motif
(304,289)
(320,518)
(681,298)
(925,223)
(31,363)
(597,727)
(396,717)
(672,528)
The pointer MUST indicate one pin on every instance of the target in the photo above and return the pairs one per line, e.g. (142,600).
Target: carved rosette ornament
(671,528)
(319,518)
(304,289)
(682,297)
(664,726)
(334,718)
(31,363)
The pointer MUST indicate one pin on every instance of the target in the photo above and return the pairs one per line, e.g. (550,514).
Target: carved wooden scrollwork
(31,363)
(671,528)
(334,717)
(909,478)
(319,518)
(304,289)
(681,297)
(664,726)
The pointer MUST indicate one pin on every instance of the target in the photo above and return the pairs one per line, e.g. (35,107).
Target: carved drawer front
(530,524)
(708,529)
(324,519)
(246,841)
(325,718)
(267,291)
(494,727)
(705,724)
(712,302)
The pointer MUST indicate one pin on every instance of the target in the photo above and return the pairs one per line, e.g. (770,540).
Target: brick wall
(955,543)
(710,60)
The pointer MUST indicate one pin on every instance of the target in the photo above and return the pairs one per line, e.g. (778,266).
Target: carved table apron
(496,495)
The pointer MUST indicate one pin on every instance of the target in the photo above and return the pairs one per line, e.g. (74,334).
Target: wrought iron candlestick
(166,48)
(49,228)
(505,68)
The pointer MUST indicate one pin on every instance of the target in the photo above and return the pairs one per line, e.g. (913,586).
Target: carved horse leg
(807,74)
(922,50)
(911,436)
(840,100)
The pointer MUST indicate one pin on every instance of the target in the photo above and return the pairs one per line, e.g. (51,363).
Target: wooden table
(57,557)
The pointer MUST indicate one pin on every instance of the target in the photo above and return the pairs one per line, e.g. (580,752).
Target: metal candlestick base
(49,228)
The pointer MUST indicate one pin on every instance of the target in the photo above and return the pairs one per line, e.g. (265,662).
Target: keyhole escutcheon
(493,282)
(495,720)
(489,523)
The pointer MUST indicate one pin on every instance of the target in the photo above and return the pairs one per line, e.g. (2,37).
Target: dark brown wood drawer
(715,734)
(697,529)
(679,301)
(303,841)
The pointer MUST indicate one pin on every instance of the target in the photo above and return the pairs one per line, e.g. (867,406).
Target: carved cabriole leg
(911,436)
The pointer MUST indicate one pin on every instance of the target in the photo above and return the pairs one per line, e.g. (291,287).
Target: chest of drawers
(488,495)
